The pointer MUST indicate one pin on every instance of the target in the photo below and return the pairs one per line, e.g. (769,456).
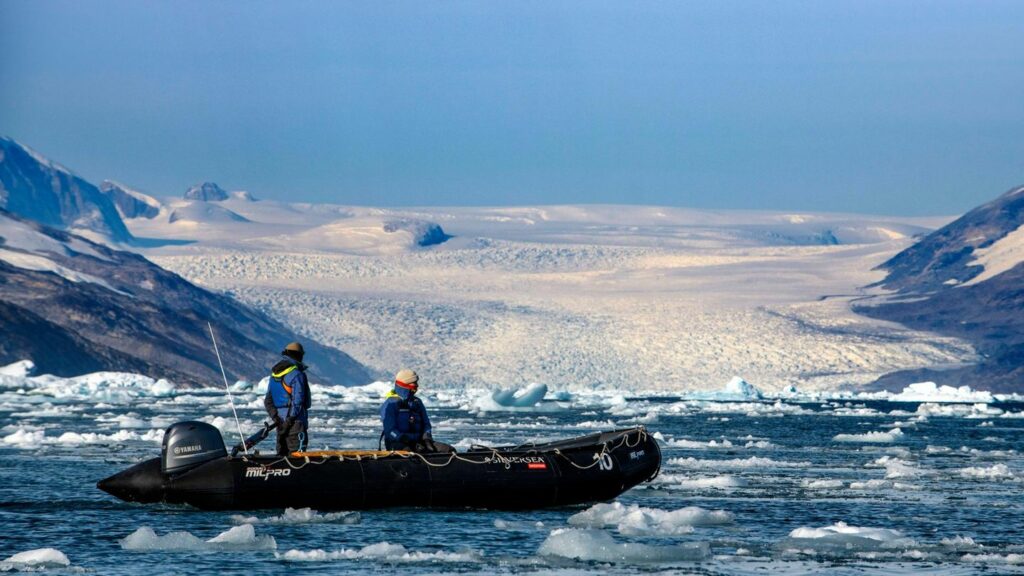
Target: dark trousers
(293,439)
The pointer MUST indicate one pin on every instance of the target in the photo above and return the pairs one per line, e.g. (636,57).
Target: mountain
(948,256)
(964,280)
(206,192)
(74,306)
(41,190)
(203,213)
(130,203)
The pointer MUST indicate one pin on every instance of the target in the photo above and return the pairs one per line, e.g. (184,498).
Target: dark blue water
(951,476)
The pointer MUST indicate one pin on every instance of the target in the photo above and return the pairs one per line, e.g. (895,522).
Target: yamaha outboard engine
(189,444)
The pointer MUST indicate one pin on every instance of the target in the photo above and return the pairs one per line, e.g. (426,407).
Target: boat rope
(494,457)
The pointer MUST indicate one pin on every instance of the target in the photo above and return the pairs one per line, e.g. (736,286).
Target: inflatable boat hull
(587,469)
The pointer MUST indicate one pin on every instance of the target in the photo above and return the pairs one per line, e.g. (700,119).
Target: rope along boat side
(194,468)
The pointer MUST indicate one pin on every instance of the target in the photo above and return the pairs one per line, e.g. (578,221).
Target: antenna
(227,389)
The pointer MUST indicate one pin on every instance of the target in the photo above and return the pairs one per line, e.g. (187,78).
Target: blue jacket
(288,392)
(405,419)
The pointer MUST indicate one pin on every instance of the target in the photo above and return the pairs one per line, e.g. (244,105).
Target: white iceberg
(931,392)
(871,437)
(301,516)
(238,538)
(599,546)
(736,389)
(38,559)
(382,551)
(635,520)
(20,369)
(841,538)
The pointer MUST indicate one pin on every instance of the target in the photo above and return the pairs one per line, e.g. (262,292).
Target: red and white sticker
(537,466)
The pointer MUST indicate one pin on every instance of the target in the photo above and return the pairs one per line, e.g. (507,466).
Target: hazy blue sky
(883,107)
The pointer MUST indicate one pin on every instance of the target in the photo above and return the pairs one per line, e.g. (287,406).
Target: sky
(905,108)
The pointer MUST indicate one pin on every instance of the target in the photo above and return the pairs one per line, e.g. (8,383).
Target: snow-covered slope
(131,203)
(42,190)
(71,305)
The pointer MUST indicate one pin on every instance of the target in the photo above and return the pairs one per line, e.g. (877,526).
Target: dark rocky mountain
(206,192)
(44,191)
(942,258)
(74,306)
(933,292)
(130,203)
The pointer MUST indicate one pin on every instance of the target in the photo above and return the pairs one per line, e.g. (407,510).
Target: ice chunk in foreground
(238,538)
(994,472)
(36,559)
(871,437)
(301,516)
(599,546)
(930,392)
(634,520)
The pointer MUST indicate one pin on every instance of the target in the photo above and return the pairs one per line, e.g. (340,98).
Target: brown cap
(294,347)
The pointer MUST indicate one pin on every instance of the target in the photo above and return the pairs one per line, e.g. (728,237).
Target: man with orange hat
(406,424)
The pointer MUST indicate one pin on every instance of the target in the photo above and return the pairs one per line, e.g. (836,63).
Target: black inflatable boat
(195,468)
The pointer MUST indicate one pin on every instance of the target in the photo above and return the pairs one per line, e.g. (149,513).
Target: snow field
(590,314)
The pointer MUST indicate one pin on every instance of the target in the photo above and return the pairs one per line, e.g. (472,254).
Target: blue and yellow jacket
(288,393)
(404,418)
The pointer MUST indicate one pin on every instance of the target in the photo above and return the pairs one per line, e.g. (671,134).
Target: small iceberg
(930,392)
(20,369)
(636,520)
(238,538)
(599,546)
(528,398)
(736,390)
(38,559)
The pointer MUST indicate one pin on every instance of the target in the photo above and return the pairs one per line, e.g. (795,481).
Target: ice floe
(735,463)
(994,472)
(931,392)
(301,516)
(871,437)
(599,546)
(38,559)
(845,539)
(19,369)
(381,552)
(635,520)
(736,389)
(242,537)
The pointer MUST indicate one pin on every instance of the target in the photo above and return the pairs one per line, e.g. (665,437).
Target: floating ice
(238,538)
(994,472)
(513,399)
(994,558)
(696,444)
(843,538)
(735,389)
(716,482)
(871,437)
(382,551)
(301,516)
(821,484)
(36,559)
(930,392)
(736,463)
(20,369)
(634,520)
(599,546)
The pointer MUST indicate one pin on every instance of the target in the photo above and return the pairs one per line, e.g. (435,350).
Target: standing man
(287,401)
(406,425)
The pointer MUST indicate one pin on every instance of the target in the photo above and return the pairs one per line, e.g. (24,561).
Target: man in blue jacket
(406,424)
(287,400)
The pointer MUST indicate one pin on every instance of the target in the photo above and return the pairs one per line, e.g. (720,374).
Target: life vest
(409,418)
(280,378)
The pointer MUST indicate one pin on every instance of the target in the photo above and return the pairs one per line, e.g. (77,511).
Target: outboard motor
(189,444)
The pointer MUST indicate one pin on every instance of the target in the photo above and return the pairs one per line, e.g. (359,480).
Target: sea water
(746,487)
